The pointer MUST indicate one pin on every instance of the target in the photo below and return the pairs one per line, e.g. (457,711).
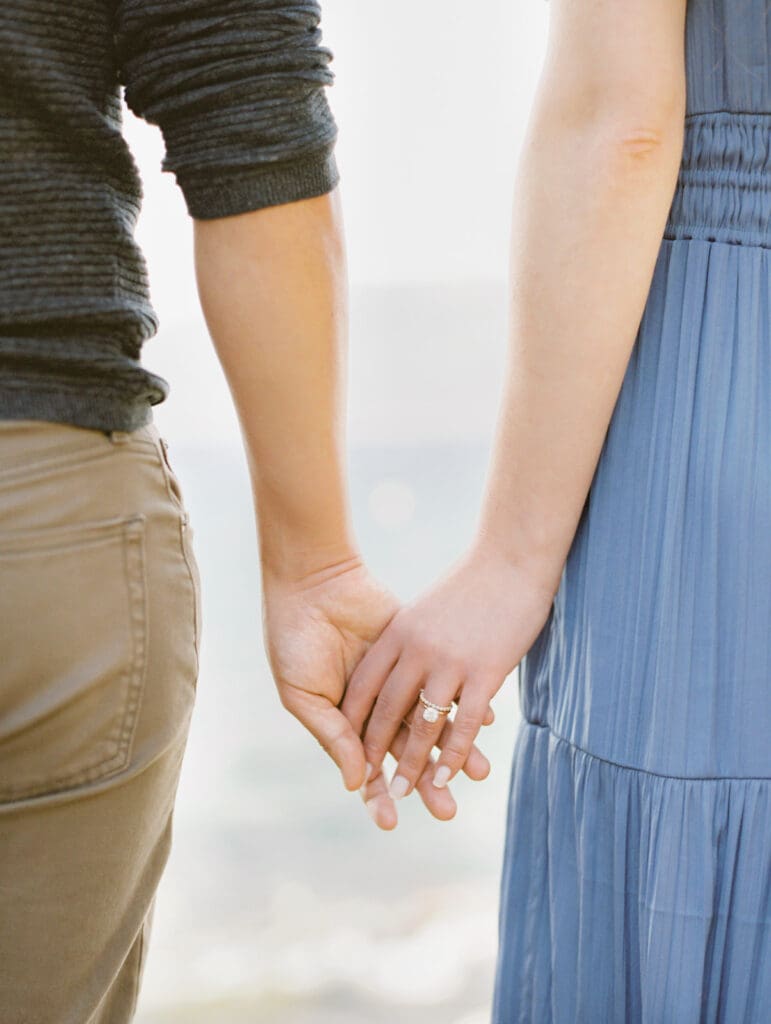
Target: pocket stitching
(46,539)
(133,534)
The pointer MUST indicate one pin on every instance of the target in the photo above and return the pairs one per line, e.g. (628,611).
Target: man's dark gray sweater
(237,88)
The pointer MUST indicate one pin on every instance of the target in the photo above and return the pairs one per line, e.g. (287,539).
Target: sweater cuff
(260,186)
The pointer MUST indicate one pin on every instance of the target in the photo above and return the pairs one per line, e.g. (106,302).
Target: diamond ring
(431,711)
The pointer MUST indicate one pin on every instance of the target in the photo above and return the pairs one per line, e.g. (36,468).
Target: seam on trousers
(138,971)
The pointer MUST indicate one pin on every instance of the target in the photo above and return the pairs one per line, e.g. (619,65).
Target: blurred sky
(431,99)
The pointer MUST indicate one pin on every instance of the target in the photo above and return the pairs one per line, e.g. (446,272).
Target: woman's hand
(317,628)
(439,801)
(459,640)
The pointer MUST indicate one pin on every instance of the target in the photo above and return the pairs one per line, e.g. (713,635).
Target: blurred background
(282,902)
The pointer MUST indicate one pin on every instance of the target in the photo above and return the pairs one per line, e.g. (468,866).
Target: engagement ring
(431,711)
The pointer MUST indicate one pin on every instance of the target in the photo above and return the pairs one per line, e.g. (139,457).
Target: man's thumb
(336,735)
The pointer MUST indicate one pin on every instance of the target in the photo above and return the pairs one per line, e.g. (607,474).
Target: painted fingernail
(442,775)
(398,787)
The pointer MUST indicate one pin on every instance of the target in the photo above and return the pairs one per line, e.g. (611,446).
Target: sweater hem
(105,411)
(261,187)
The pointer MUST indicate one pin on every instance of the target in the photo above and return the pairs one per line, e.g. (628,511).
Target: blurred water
(282,901)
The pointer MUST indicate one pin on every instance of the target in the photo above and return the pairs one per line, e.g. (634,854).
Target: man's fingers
(381,807)
(332,730)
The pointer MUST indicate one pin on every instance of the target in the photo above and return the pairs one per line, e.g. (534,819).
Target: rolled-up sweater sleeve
(238,89)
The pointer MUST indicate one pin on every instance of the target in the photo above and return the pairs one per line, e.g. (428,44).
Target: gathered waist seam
(645,771)
(728,113)
(692,233)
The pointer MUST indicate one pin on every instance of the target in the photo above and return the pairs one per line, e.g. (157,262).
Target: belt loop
(119,436)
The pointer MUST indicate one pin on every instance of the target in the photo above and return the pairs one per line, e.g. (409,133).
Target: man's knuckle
(292,701)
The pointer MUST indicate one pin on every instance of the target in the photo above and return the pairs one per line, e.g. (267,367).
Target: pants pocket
(73,632)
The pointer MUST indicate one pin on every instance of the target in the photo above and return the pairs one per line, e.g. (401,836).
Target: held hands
(349,664)
(458,641)
(317,629)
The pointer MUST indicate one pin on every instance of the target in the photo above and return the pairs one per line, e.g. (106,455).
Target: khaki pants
(100,619)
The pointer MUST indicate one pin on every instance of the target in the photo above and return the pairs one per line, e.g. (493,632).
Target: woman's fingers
(457,746)
(367,680)
(439,734)
(394,701)
(476,766)
(438,802)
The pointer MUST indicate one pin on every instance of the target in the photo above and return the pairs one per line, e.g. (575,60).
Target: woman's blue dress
(636,881)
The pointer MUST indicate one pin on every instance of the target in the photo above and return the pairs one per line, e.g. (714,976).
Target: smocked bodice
(725,178)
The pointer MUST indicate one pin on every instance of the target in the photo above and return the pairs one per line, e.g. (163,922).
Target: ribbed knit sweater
(237,88)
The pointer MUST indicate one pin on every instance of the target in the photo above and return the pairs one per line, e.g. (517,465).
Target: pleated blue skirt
(636,880)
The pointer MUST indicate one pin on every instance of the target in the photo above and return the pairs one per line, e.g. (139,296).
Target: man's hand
(316,630)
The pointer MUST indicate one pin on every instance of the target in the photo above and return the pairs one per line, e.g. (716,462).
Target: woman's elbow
(635,118)
(642,138)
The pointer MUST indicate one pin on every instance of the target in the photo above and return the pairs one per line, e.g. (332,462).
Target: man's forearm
(590,208)
(273,290)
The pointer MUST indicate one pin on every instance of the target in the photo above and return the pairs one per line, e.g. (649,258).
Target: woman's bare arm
(594,184)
